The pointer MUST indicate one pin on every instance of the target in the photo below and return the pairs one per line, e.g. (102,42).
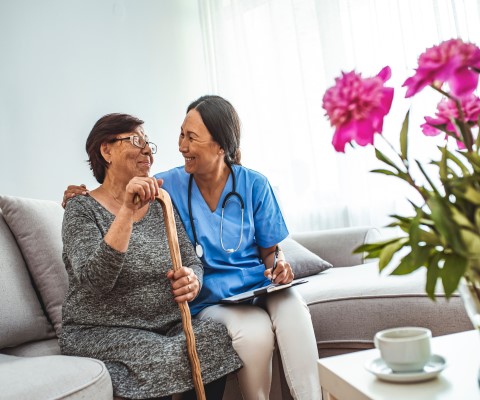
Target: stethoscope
(230,195)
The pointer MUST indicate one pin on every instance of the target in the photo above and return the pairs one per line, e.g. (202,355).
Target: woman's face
(127,159)
(202,154)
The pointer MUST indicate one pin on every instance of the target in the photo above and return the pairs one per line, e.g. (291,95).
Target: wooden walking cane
(166,203)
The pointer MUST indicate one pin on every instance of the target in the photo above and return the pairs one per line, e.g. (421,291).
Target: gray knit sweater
(119,307)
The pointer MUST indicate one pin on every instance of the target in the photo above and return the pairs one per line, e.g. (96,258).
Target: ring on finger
(188,278)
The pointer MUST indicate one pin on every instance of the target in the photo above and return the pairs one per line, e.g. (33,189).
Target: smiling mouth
(189,159)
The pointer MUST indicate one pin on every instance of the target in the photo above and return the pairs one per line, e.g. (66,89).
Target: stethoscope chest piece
(199,250)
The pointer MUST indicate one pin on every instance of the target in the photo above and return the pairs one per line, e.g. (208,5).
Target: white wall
(65,63)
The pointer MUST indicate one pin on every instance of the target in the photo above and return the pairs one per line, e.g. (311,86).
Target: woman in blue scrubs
(238,250)
(233,219)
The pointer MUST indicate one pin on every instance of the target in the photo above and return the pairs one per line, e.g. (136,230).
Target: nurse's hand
(185,285)
(72,191)
(283,273)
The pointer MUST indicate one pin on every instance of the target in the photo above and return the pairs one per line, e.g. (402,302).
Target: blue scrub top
(228,274)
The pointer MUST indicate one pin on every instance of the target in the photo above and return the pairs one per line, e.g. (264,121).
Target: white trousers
(253,330)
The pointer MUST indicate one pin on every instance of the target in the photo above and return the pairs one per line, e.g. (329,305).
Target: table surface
(345,377)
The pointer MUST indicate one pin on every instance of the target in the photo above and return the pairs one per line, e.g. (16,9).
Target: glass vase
(470,292)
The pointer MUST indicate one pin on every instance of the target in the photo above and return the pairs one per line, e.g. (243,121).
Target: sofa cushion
(54,377)
(21,315)
(37,226)
(303,261)
(49,347)
(350,304)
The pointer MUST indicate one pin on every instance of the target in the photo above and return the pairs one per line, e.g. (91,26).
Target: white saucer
(435,365)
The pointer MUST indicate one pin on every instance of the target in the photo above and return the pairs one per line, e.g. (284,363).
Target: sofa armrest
(336,245)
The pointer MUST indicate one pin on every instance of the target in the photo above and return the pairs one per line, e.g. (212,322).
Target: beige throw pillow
(303,261)
(37,227)
(21,315)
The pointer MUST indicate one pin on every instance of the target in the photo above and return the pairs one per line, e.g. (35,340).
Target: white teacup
(405,349)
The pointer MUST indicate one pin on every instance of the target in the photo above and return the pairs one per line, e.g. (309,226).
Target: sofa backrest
(36,226)
(22,318)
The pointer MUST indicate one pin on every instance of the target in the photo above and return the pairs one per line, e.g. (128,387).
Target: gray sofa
(348,303)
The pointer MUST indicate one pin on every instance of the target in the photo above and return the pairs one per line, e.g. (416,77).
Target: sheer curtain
(274,59)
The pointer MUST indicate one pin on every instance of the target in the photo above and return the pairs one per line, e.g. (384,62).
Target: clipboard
(251,294)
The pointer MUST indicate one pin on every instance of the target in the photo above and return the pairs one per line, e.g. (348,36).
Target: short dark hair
(104,130)
(223,123)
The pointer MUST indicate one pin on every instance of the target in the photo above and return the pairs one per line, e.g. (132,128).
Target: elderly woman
(233,219)
(121,302)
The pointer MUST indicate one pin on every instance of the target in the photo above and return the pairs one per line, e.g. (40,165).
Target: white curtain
(274,59)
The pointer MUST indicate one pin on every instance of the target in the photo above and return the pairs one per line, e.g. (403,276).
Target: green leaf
(421,255)
(429,237)
(389,250)
(477,217)
(413,231)
(477,142)
(457,161)
(384,172)
(460,219)
(472,242)
(453,269)
(427,178)
(441,216)
(406,266)
(382,157)
(474,160)
(404,136)
(472,195)
(366,247)
(433,273)
(443,170)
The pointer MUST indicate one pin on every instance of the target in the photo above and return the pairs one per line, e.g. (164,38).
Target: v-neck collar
(197,194)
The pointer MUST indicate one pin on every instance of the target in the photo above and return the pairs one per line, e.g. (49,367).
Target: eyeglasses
(139,142)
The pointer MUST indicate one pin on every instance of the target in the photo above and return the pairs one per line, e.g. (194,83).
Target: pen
(275,258)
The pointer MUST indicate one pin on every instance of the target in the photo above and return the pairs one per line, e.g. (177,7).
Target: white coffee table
(345,377)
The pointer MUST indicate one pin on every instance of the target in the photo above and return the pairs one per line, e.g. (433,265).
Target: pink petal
(385,74)
(365,132)
(429,130)
(343,135)
(387,100)
(463,82)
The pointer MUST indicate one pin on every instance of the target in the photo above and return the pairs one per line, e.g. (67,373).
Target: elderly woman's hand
(185,284)
(140,190)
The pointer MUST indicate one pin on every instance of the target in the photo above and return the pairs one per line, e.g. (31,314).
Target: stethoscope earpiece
(233,193)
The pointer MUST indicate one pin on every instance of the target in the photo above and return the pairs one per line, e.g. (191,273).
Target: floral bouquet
(443,231)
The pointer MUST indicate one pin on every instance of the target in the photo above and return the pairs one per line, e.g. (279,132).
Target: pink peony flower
(453,62)
(356,107)
(447,111)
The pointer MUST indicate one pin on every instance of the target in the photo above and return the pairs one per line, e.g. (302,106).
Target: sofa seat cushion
(54,377)
(49,347)
(350,304)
